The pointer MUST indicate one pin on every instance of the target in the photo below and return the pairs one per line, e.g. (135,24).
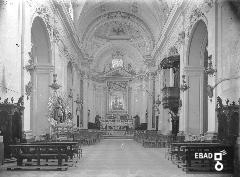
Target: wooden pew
(44,150)
(178,152)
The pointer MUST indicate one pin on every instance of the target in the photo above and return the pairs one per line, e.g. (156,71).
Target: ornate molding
(44,13)
(194,16)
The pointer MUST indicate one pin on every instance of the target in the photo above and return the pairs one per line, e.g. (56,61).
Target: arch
(40,39)
(198,38)
(41,52)
(197,60)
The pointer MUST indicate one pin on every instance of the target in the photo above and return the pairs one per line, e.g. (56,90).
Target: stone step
(117,137)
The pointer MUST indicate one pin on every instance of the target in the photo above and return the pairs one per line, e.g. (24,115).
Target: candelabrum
(184,85)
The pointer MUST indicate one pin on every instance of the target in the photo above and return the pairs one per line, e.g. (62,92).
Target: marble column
(85,102)
(150,101)
(214,49)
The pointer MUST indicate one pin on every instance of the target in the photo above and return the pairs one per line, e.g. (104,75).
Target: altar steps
(117,137)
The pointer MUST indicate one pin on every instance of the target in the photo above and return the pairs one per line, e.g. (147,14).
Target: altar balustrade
(114,123)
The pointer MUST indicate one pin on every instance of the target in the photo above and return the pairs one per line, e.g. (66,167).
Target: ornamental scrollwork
(181,38)
(30,67)
(28,89)
(195,15)
(117,85)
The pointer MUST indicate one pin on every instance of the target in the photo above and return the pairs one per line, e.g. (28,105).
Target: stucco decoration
(195,15)
(43,12)
(122,31)
(28,89)
(117,26)
(30,67)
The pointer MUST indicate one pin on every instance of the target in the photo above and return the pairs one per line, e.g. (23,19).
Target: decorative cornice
(169,24)
(68,26)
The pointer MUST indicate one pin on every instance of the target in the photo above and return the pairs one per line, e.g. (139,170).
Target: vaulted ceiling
(129,27)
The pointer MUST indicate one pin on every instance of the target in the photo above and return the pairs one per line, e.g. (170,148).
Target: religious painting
(117,101)
(117,96)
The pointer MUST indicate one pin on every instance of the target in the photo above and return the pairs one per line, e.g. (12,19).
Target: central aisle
(116,158)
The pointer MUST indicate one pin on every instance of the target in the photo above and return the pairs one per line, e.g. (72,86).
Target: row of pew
(51,154)
(179,150)
(152,139)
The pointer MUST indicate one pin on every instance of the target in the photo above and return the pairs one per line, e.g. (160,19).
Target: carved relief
(181,38)
(28,89)
(194,16)
(30,66)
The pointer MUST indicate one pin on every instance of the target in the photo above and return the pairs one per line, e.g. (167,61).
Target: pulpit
(171,94)
(10,125)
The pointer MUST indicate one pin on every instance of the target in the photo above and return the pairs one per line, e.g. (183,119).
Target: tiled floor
(116,158)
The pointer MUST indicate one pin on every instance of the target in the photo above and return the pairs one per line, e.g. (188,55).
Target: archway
(41,52)
(197,107)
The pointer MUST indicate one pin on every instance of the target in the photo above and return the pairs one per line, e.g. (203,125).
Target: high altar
(117,94)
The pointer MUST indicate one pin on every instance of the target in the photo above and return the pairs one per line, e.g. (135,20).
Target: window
(117,63)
